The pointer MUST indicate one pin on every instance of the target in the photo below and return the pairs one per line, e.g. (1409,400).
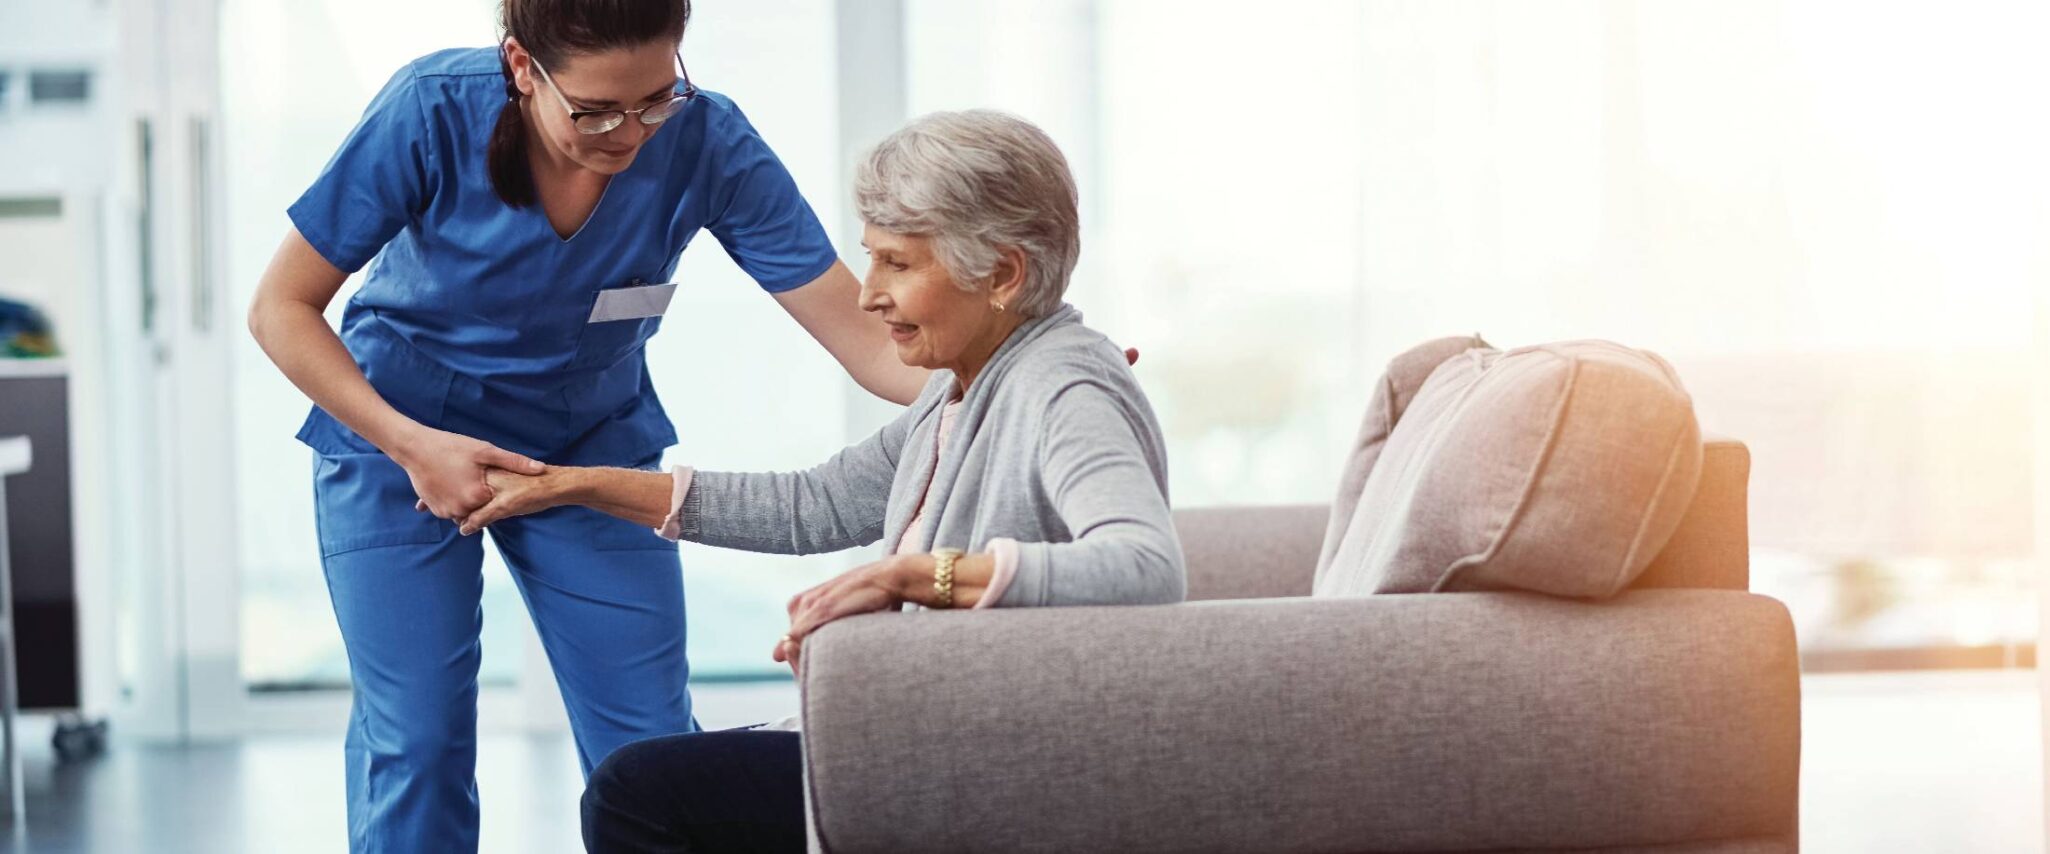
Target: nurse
(521,210)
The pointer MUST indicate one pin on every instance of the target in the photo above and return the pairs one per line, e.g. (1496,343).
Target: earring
(999,307)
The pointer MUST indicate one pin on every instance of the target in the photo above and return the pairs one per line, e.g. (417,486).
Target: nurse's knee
(434,748)
(426,741)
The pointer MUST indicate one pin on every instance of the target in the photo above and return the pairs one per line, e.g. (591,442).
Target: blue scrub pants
(606,597)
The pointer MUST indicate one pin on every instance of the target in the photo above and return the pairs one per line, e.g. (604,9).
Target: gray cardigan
(1054,446)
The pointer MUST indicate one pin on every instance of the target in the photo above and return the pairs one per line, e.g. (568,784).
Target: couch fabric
(1472,722)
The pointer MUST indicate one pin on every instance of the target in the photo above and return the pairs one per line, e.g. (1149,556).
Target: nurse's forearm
(640,497)
(298,338)
(286,320)
(889,378)
(829,307)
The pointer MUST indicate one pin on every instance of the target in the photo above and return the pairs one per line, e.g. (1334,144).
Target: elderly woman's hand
(514,494)
(861,590)
(882,586)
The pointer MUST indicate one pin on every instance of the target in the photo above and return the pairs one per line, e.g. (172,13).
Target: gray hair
(976,181)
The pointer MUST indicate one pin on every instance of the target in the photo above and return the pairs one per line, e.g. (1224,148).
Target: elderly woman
(1030,472)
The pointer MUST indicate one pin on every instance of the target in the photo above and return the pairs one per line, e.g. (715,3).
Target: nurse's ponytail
(507,155)
(552,30)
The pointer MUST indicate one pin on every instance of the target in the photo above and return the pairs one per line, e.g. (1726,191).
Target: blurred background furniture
(14,459)
(34,405)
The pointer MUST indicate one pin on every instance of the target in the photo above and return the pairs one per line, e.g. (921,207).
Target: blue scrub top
(472,315)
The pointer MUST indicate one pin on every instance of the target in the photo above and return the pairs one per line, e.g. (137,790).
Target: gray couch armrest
(1398,723)
(1251,552)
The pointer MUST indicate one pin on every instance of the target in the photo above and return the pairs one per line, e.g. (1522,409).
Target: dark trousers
(730,790)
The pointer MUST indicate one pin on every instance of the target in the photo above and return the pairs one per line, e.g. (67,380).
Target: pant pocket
(363,501)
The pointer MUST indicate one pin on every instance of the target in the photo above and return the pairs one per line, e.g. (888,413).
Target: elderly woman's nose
(871,296)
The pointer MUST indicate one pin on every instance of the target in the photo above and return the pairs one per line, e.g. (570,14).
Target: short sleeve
(376,182)
(758,215)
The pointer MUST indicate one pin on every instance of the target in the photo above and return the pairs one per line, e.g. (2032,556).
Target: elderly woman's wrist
(566,485)
(908,577)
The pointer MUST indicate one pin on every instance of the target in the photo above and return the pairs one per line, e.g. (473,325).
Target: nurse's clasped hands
(448,470)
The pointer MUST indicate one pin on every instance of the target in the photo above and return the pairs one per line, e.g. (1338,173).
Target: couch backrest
(1712,546)
(1265,552)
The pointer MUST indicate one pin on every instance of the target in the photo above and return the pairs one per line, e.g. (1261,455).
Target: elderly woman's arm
(832,506)
(1109,486)
(1107,479)
(835,505)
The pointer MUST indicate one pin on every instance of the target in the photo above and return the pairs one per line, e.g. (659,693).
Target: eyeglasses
(600,121)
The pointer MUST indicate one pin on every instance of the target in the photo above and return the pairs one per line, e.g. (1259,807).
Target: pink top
(1004,549)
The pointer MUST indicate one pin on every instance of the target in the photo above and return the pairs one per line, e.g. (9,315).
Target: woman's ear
(1007,281)
(522,64)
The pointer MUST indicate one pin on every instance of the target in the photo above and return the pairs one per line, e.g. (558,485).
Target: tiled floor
(1942,762)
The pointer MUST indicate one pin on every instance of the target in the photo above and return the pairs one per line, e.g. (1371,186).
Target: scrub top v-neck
(474,316)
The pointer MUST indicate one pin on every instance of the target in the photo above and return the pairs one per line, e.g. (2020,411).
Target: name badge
(632,303)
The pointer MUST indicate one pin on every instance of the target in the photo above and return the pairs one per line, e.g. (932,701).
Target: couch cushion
(1561,469)
(1398,386)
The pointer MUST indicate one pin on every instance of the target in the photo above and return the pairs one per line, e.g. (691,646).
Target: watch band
(943,576)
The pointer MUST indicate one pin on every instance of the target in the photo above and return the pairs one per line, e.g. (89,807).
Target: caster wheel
(79,739)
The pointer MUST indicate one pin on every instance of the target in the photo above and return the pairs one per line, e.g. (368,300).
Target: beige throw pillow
(1561,469)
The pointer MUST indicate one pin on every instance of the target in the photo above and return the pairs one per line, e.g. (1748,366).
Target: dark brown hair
(551,30)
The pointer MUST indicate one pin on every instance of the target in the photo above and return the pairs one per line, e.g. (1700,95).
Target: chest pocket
(612,332)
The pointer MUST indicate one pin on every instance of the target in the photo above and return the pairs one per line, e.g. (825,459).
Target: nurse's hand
(512,494)
(447,470)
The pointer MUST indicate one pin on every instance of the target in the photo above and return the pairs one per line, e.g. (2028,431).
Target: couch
(1257,718)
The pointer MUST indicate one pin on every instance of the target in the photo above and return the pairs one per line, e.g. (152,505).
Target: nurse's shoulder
(400,157)
(447,102)
(459,62)
(719,141)
(445,93)
(463,80)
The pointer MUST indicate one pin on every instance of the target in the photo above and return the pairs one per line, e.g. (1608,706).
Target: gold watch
(943,576)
